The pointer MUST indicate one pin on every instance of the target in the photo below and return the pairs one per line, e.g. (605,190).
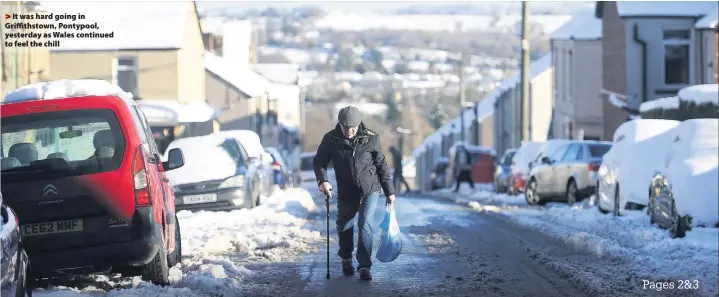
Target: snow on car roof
(250,140)
(66,88)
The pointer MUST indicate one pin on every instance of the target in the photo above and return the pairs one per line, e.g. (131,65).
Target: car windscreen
(66,143)
(508,158)
(598,150)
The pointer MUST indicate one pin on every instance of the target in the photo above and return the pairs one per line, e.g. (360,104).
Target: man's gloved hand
(325,187)
(390,199)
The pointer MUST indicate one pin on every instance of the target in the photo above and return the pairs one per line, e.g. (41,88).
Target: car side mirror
(175,159)
(546,160)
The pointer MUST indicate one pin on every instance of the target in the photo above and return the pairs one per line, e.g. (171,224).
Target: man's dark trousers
(346,211)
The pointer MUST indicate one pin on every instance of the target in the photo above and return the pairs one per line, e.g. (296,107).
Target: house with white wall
(507,117)
(664,51)
(576,52)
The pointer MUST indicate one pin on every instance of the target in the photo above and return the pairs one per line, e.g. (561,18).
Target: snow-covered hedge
(695,102)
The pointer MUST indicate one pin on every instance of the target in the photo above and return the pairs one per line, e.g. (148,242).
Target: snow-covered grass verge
(215,243)
(644,251)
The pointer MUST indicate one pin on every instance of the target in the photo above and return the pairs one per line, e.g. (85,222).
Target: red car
(82,171)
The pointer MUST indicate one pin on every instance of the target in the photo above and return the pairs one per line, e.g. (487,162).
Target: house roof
(241,77)
(283,73)
(583,26)
(136,25)
(708,22)
(666,8)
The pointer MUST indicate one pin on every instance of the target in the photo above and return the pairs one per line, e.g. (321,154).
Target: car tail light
(139,179)
(276,166)
(594,167)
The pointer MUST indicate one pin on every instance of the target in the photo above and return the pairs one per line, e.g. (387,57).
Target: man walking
(361,172)
(463,164)
(398,176)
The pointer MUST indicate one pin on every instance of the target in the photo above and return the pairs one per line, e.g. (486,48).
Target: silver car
(568,175)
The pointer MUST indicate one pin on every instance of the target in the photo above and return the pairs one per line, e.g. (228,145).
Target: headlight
(233,182)
(498,170)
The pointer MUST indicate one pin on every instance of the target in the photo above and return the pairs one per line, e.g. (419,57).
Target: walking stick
(328,196)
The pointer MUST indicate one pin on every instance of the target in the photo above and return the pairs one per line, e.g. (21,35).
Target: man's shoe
(365,274)
(347,267)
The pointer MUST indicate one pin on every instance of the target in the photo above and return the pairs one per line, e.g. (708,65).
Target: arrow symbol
(7,16)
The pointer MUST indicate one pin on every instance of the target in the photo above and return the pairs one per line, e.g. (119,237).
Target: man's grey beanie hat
(349,116)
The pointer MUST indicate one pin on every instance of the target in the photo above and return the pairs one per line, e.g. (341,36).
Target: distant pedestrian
(398,176)
(463,165)
(361,172)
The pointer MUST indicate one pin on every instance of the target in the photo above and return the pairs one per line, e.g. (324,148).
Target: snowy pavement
(639,250)
(217,246)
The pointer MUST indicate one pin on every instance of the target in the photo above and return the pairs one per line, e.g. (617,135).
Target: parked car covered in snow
(637,146)
(519,170)
(569,175)
(218,174)
(683,193)
(501,171)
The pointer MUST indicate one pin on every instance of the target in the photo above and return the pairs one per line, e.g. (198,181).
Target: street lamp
(400,140)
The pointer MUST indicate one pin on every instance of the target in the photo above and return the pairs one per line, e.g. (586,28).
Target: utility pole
(462,98)
(526,105)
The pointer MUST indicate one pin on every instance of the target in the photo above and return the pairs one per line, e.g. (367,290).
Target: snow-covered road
(638,250)
(467,244)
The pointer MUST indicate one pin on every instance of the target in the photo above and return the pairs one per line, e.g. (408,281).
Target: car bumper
(135,253)
(227,199)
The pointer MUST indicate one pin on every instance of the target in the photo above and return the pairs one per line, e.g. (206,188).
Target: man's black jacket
(360,165)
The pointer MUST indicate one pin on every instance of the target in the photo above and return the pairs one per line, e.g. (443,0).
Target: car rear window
(598,151)
(74,142)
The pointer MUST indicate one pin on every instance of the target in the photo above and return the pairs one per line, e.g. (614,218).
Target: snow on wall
(700,94)
(665,103)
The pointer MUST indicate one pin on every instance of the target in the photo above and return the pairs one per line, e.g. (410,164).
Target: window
(126,73)
(571,153)
(559,153)
(90,141)
(676,57)
(598,151)
(508,158)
